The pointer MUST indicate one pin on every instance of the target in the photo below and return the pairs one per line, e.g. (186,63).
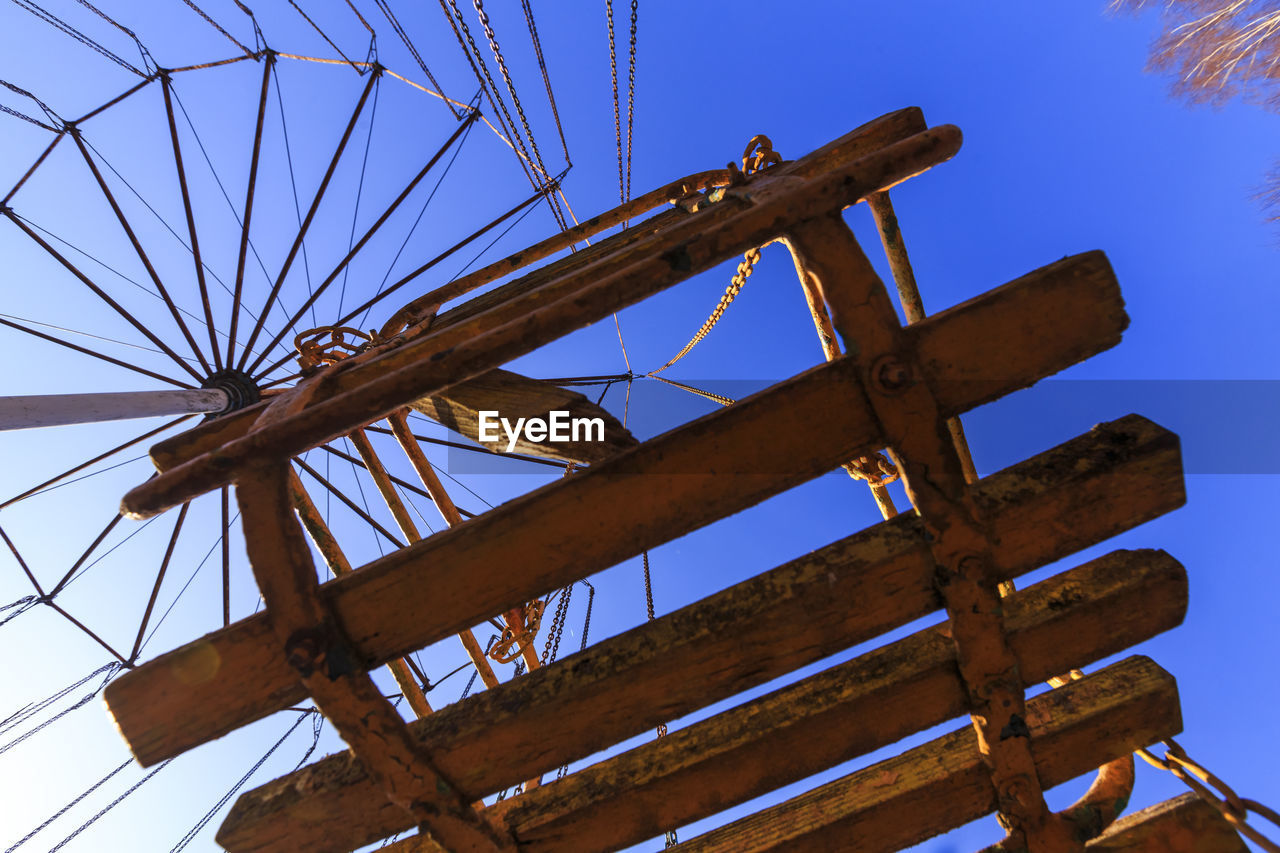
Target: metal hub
(239,387)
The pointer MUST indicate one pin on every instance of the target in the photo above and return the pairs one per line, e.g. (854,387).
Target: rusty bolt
(891,375)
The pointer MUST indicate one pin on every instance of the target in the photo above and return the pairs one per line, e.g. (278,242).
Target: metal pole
(59,409)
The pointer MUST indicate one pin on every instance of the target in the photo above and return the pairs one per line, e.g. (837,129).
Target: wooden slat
(429,365)
(902,801)
(1043,509)
(892,127)
(714,466)
(1185,824)
(1066,622)
(514,396)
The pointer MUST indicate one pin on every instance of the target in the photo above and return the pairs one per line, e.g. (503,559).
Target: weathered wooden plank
(512,396)
(1066,622)
(1185,824)
(1068,498)
(943,784)
(712,467)
(429,365)
(881,131)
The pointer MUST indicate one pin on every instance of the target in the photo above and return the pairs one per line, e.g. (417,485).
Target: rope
(22,604)
(218,27)
(109,806)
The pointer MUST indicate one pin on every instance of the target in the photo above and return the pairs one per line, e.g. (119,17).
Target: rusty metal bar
(337,561)
(95,354)
(70,573)
(351,505)
(368,235)
(404,484)
(93,636)
(306,222)
(401,514)
(23,563)
(36,165)
(904,279)
(248,207)
(155,588)
(226,556)
(117,99)
(191,221)
(137,247)
(98,458)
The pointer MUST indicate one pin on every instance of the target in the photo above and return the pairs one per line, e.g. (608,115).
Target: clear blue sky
(1069,146)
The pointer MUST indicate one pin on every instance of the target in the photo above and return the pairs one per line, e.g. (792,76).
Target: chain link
(876,469)
(745,267)
(1234,808)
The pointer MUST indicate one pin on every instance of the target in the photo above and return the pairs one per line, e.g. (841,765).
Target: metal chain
(552,646)
(617,115)
(1233,807)
(546,78)
(631,90)
(230,37)
(745,267)
(648,587)
(876,469)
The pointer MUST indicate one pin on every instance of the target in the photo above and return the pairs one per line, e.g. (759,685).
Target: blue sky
(1069,146)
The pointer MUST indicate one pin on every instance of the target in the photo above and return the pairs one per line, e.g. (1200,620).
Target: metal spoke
(191,220)
(155,588)
(22,563)
(417,490)
(66,578)
(74,621)
(31,491)
(226,557)
(95,354)
(248,207)
(306,223)
(352,505)
(137,247)
(360,244)
(31,171)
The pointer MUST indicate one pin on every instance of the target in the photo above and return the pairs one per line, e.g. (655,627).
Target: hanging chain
(617,117)
(1233,807)
(758,156)
(631,91)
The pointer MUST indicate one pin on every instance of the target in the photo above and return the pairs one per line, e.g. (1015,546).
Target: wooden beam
(1185,824)
(1064,623)
(892,127)
(703,471)
(423,367)
(1068,498)
(943,784)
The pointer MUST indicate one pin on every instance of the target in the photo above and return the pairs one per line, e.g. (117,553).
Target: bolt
(892,376)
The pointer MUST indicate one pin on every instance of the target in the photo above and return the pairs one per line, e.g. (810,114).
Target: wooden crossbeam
(943,784)
(705,470)
(1066,622)
(1045,508)
(877,133)
(1185,824)
(429,365)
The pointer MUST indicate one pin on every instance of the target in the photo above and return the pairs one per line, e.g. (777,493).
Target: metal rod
(226,556)
(70,573)
(340,565)
(49,482)
(248,208)
(117,99)
(351,505)
(58,409)
(22,563)
(306,222)
(74,621)
(400,427)
(155,588)
(417,490)
(191,220)
(137,248)
(368,235)
(36,165)
(94,353)
(101,294)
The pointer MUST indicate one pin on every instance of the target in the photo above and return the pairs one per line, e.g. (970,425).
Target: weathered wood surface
(943,784)
(1043,509)
(431,364)
(513,396)
(1066,622)
(892,127)
(1185,824)
(714,466)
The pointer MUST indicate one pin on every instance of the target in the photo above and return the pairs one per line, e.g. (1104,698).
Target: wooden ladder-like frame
(894,387)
